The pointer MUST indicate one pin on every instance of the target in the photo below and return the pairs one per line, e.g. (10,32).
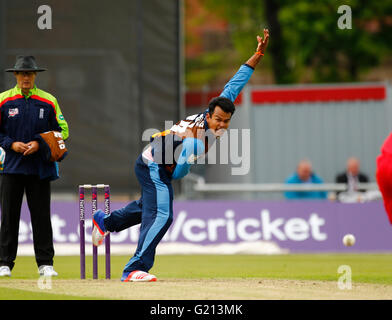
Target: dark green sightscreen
(114,68)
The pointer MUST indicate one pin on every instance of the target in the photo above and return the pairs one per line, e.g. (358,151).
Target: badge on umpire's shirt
(41,113)
(13,112)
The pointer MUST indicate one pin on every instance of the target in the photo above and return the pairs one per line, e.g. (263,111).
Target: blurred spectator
(352,176)
(304,174)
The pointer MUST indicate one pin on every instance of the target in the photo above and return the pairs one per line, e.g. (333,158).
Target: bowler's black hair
(226,105)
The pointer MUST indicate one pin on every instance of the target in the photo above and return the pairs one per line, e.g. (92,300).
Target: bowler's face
(25,80)
(219,121)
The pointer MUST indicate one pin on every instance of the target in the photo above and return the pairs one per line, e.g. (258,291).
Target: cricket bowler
(169,156)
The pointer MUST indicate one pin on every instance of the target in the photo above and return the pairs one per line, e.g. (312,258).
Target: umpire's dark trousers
(37,191)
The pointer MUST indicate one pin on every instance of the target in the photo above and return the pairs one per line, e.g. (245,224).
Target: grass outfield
(199,269)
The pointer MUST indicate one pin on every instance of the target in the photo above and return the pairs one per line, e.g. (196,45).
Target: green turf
(370,268)
(366,268)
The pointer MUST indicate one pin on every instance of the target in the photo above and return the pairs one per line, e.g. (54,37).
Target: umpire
(25,113)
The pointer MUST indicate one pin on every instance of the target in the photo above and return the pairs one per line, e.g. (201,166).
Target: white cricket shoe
(5,271)
(138,276)
(47,271)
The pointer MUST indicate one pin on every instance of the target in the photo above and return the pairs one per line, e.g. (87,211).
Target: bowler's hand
(262,44)
(32,147)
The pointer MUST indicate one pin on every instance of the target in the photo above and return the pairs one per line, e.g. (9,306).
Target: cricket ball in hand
(349,240)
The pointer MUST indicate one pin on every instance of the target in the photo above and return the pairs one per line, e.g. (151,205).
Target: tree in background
(278,48)
(207,44)
(332,54)
(306,44)
(248,18)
